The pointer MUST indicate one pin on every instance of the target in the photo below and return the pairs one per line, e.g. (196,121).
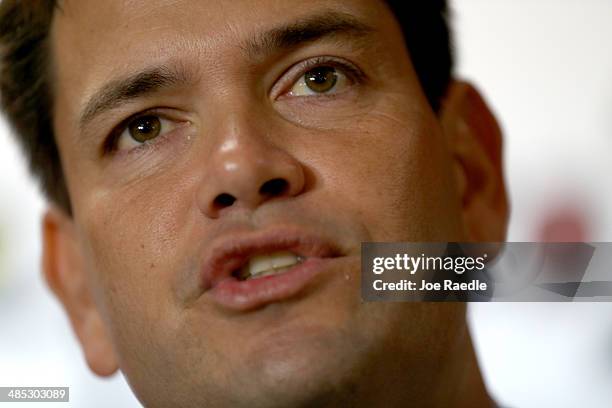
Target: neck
(452,380)
(461,384)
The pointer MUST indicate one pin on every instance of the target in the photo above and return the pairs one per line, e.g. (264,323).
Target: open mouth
(245,271)
(273,263)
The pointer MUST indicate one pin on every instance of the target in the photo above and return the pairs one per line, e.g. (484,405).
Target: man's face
(197,135)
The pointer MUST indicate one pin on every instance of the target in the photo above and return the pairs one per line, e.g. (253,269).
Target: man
(213,168)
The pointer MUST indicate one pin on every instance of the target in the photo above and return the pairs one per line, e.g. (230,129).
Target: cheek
(132,239)
(392,171)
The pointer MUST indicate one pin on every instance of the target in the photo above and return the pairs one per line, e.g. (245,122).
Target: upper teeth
(262,265)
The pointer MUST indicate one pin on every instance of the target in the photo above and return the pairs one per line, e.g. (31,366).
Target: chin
(302,380)
(315,366)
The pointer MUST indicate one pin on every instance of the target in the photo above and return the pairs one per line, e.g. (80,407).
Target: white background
(545,66)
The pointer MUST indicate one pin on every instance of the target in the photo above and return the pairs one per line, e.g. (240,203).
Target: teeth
(269,264)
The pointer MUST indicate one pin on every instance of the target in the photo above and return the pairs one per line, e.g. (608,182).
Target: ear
(65,274)
(475,143)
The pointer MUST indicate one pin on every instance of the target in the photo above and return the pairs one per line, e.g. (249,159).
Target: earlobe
(475,143)
(64,272)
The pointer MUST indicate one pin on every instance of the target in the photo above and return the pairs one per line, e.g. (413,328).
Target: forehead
(140,17)
(94,41)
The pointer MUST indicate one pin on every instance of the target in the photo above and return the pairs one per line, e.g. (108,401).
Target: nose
(246,171)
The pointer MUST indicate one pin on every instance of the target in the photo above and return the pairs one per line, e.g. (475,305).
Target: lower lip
(244,295)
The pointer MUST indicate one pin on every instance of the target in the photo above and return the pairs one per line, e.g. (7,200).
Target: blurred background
(545,66)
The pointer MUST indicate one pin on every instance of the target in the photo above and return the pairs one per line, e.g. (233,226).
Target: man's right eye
(139,131)
(144,128)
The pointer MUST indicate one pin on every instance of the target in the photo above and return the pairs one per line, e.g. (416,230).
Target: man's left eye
(321,80)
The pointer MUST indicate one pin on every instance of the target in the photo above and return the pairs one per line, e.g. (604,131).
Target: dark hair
(26,94)
(427,36)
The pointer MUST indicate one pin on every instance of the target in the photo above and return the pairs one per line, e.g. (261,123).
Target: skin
(371,162)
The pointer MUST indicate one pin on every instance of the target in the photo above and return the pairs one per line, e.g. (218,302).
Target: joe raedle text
(447,285)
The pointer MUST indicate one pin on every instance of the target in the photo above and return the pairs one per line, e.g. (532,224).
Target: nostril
(274,187)
(224,200)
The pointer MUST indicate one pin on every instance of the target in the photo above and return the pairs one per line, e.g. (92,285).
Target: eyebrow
(152,80)
(131,87)
(308,29)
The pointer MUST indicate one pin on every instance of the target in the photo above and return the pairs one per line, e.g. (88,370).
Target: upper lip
(233,251)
